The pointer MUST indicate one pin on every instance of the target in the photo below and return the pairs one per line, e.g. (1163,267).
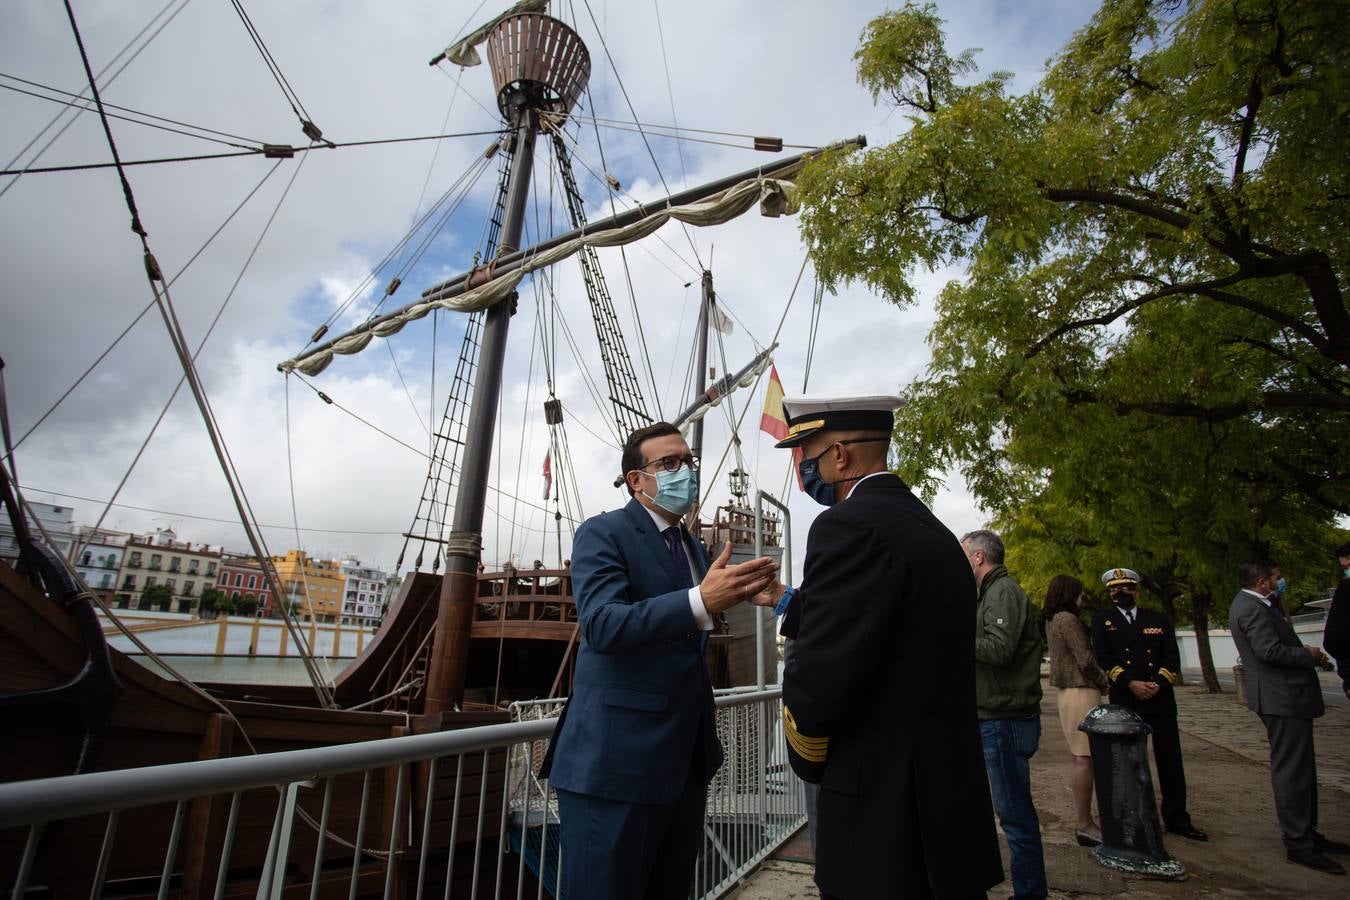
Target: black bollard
(1131,835)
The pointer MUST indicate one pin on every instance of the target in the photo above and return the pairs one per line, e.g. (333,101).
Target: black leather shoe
(1085,839)
(1314,859)
(1189,831)
(1324,844)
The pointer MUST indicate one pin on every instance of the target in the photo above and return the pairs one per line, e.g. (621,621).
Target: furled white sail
(776,197)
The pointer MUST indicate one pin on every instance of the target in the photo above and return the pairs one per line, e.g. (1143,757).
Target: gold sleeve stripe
(1114,673)
(811,749)
(1169,675)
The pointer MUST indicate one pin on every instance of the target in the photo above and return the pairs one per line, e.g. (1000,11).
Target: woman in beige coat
(1079,683)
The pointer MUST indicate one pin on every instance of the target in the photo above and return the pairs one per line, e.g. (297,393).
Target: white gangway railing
(755,803)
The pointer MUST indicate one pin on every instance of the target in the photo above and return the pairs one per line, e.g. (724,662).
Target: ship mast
(539,65)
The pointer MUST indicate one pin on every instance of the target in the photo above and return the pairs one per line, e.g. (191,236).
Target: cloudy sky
(74,278)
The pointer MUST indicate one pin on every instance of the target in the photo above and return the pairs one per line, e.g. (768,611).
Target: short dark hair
(1062,596)
(1343,549)
(988,541)
(632,448)
(1249,573)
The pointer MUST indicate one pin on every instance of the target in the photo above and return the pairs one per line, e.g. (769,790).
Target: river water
(244,669)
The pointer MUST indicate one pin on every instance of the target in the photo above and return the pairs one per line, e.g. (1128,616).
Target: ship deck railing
(755,803)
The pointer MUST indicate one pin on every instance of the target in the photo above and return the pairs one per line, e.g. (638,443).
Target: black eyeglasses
(672,463)
(1124,589)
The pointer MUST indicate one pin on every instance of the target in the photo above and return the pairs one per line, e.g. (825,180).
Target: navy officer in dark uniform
(879,690)
(1138,652)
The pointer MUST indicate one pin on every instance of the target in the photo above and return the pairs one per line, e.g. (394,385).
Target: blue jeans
(1009,745)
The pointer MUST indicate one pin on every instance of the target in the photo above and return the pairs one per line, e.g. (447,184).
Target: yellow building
(314,586)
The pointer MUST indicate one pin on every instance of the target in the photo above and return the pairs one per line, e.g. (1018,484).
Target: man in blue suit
(637,743)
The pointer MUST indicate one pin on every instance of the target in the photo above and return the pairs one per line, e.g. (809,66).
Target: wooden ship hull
(154,720)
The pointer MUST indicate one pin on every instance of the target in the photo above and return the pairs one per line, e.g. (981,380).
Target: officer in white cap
(884,610)
(1138,652)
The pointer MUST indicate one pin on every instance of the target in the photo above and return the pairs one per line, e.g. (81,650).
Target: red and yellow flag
(773,421)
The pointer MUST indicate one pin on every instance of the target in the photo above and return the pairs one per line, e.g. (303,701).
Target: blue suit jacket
(641,710)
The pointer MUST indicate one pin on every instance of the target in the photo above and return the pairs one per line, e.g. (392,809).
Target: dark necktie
(675,543)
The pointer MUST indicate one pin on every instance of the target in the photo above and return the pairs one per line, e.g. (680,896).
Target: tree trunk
(1200,602)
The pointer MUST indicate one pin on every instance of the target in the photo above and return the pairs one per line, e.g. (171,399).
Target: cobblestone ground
(1228,778)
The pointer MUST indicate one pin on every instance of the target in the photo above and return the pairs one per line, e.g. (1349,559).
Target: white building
(59,521)
(363,594)
(100,556)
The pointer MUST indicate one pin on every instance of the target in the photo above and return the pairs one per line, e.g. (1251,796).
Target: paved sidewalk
(1228,775)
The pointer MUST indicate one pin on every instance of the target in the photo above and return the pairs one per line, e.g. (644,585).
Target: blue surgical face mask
(816,488)
(1280,587)
(675,491)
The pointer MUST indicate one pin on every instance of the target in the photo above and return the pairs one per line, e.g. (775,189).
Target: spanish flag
(773,421)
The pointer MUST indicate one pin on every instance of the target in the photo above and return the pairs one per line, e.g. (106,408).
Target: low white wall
(1223,650)
(202,636)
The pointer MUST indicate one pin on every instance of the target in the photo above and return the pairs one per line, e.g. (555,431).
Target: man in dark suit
(1138,652)
(1283,689)
(1336,638)
(637,743)
(879,692)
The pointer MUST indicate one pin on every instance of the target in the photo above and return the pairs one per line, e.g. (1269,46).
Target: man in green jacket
(1008,699)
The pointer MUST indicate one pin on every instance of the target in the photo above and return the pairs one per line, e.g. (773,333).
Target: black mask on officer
(1123,598)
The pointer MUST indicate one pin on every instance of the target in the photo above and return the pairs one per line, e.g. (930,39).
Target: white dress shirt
(701,617)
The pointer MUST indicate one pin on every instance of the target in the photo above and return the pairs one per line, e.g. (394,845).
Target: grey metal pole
(464,549)
(760,498)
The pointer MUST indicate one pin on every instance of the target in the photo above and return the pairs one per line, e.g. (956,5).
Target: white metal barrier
(449,814)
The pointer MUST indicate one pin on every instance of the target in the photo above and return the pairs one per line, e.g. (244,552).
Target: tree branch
(1120,201)
(1254,96)
(1129,306)
(1269,401)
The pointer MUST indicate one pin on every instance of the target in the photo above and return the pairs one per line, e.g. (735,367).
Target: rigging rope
(162,299)
(101,72)
(268,151)
(82,105)
(630,410)
(220,311)
(626,125)
(125,331)
(627,272)
(623,90)
(463,184)
(307,125)
(670,91)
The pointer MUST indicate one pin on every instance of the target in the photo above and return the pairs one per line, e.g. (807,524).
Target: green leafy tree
(246,606)
(212,600)
(156,595)
(1180,167)
(1149,354)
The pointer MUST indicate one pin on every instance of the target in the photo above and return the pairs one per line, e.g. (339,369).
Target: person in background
(1336,639)
(1079,683)
(1138,652)
(1008,699)
(1283,689)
